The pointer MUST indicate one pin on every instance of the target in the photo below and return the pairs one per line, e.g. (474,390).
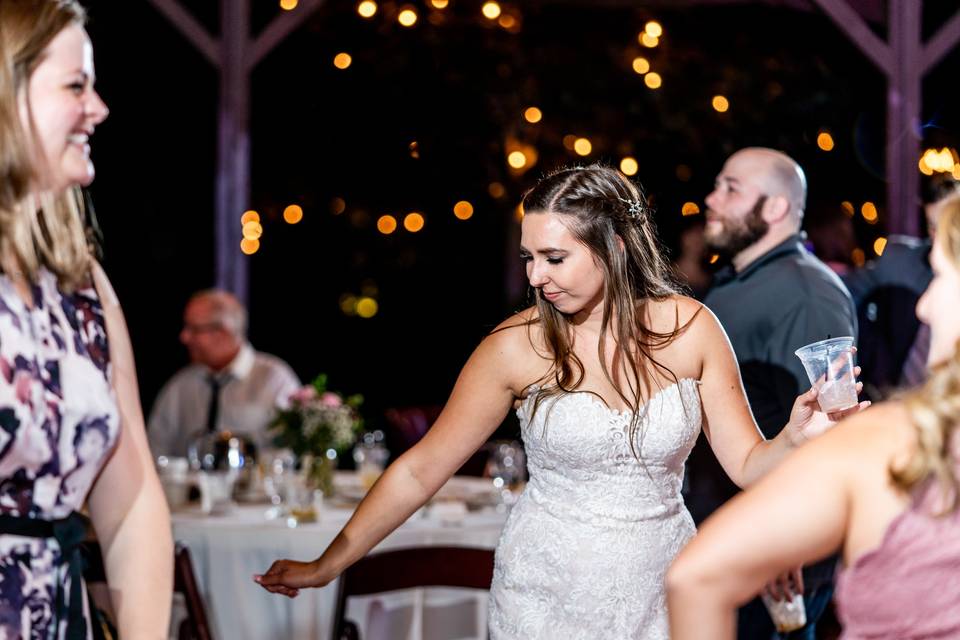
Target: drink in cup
(788,615)
(370,457)
(829,365)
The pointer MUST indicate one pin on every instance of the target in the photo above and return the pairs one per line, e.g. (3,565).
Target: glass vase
(320,470)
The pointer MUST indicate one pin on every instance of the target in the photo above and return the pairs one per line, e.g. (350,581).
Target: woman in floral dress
(71,426)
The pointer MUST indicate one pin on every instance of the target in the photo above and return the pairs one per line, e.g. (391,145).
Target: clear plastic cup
(370,457)
(216,491)
(787,615)
(175,479)
(829,365)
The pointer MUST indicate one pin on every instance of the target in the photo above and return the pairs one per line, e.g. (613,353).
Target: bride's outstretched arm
(727,420)
(481,398)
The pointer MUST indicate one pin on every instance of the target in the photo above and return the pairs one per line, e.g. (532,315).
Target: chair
(409,569)
(195,626)
(409,424)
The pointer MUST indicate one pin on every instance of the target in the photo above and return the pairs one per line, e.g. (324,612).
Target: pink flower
(22,387)
(303,395)
(330,399)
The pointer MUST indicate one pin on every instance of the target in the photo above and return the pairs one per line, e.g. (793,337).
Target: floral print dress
(58,424)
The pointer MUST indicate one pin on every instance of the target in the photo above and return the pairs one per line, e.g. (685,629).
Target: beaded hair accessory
(636,210)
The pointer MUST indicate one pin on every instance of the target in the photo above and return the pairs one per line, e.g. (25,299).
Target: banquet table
(229,549)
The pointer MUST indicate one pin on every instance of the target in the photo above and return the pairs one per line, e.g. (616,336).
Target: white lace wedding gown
(584,551)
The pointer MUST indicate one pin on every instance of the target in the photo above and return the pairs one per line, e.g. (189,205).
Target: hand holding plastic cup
(829,365)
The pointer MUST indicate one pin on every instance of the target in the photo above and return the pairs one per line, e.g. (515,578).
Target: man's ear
(775,209)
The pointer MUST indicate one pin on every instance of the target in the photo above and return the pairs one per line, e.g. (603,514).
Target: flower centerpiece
(317,425)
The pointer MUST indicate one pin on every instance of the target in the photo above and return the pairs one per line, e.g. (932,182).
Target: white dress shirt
(252,386)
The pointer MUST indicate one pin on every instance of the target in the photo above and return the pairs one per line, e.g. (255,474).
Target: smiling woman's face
(60,110)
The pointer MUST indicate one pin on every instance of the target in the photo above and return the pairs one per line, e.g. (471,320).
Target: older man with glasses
(228,386)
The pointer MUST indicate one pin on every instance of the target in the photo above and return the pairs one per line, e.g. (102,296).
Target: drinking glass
(507,467)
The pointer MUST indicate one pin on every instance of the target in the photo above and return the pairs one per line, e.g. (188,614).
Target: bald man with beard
(772,297)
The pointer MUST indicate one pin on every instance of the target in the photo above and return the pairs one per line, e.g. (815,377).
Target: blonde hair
(934,408)
(38,229)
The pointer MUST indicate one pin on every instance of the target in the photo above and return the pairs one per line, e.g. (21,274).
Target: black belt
(69,532)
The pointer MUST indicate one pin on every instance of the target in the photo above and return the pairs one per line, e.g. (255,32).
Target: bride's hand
(807,421)
(287,577)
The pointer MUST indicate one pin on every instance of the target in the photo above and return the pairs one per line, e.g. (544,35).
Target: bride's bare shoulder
(520,332)
(672,313)
(518,344)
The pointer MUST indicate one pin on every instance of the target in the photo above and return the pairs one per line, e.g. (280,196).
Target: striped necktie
(213,411)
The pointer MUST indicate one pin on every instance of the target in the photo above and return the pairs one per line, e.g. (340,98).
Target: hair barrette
(636,210)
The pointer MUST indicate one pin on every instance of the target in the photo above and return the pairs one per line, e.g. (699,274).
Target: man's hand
(786,585)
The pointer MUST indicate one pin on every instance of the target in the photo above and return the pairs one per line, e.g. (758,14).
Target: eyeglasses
(205,327)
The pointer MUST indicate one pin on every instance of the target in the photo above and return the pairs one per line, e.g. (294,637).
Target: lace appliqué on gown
(585,549)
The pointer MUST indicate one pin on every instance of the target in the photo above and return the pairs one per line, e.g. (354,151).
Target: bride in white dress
(612,374)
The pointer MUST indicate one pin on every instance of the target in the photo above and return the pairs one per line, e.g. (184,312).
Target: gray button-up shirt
(782,301)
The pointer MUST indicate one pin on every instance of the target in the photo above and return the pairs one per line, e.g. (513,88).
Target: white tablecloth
(228,550)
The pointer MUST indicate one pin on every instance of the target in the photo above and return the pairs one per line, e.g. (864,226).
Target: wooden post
(905,61)
(233,149)
(903,117)
(235,54)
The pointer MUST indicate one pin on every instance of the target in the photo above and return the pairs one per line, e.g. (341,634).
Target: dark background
(458,85)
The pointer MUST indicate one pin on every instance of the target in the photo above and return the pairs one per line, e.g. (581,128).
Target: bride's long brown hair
(609,215)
